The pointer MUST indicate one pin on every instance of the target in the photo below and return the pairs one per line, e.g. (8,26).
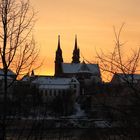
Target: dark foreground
(44,130)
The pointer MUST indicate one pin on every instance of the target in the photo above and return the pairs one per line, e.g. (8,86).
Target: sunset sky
(91,20)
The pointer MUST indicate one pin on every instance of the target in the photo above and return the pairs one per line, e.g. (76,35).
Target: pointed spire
(76,52)
(59,42)
(58,59)
(59,50)
(76,46)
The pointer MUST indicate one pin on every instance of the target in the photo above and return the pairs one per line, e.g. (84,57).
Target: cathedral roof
(55,83)
(80,67)
(84,68)
(54,80)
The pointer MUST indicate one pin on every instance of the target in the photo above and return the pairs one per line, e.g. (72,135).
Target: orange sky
(91,20)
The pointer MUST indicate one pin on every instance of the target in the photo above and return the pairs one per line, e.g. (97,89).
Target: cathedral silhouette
(80,70)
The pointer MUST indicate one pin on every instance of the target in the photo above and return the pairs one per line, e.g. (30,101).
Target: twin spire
(76,52)
(76,46)
(58,57)
(59,47)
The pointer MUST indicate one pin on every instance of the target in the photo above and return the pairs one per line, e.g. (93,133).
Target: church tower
(76,53)
(58,59)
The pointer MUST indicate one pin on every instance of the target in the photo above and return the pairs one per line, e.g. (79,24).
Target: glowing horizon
(91,20)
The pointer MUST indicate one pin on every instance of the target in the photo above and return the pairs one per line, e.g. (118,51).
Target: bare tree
(17,46)
(117,61)
(124,67)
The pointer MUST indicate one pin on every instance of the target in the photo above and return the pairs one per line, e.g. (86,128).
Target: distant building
(120,78)
(11,76)
(82,71)
(72,76)
(51,87)
(10,73)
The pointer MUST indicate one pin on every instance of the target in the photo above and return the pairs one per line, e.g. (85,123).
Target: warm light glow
(91,20)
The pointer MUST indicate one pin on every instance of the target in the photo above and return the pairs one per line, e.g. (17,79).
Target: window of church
(50,92)
(59,91)
(74,91)
(54,92)
(63,92)
(41,91)
(46,93)
(74,85)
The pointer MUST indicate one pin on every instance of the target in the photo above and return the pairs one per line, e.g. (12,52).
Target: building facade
(51,87)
